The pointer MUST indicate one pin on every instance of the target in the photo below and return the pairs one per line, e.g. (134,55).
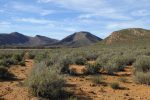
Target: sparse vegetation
(122,79)
(142,78)
(97,79)
(115,85)
(45,82)
(93,68)
(142,64)
(5,74)
(80,60)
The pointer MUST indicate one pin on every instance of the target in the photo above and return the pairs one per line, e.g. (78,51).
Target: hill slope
(131,35)
(18,39)
(79,39)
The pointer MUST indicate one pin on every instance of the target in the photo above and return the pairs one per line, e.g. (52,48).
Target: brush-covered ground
(91,73)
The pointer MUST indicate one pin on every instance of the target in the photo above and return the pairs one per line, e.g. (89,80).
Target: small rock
(92,92)
(126,94)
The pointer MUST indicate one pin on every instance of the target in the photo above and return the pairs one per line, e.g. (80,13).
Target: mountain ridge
(78,39)
(18,39)
(128,35)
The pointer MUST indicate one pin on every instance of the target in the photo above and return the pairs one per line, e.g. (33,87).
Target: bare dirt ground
(81,86)
(13,89)
(85,89)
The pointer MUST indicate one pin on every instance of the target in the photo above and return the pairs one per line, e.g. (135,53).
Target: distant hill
(18,39)
(131,35)
(79,39)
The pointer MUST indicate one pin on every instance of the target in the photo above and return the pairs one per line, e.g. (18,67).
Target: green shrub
(17,57)
(80,61)
(5,74)
(41,56)
(22,63)
(31,56)
(72,98)
(103,60)
(97,79)
(93,68)
(7,62)
(65,63)
(45,82)
(122,79)
(115,85)
(142,64)
(91,57)
(142,78)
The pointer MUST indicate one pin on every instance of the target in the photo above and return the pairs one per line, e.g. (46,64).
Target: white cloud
(141,12)
(33,20)
(44,1)
(31,9)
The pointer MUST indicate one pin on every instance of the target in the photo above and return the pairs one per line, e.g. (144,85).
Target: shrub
(17,57)
(122,79)
(93,68)
(91,57)
(142,78)
(80,61)
(5,74)
(115,85)
(65,63)
(22,63)
(128,60)
(102,60)
(31,56)
(97,79)
(7,62)
(72,98)
(41,56)
(45,82)
(142,64)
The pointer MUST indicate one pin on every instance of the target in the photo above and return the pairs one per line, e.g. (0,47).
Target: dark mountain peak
(81,38)
(82,32)
(15,33)
(18,39)
(39,36)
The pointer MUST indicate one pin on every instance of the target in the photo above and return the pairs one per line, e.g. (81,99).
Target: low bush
(93,68)
(45,82)
(80,60)
(31,56)
(142,64)
(142,78)
(7,62)
(97,79)
(5,74)
(72,98)
(17,57)
(91,57)
(65,63)
(115,85)
(122,79)
(22,63)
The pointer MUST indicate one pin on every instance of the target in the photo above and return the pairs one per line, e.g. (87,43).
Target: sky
(60,18)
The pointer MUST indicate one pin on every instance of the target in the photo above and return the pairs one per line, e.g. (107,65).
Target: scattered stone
(92,92)
(126,94)
(92,85)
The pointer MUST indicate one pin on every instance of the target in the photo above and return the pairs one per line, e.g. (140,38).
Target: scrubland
(86,73)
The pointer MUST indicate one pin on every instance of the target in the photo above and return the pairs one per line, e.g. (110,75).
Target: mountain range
(76,39)
(18,39)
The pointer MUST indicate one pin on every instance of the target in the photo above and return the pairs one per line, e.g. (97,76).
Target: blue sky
(59,18)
